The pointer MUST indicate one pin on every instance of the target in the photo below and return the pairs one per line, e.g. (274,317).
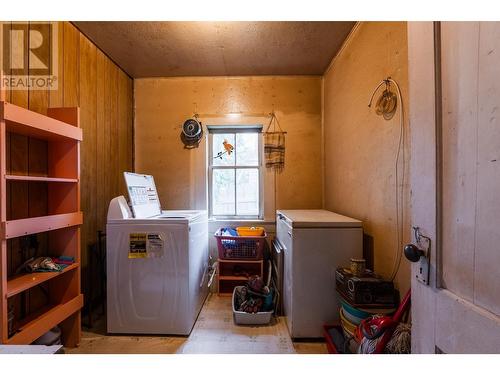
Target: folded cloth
(59,268)
(41,264)
(67,260)
(59,261)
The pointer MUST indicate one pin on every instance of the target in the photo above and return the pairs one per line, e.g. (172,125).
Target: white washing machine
(157,266)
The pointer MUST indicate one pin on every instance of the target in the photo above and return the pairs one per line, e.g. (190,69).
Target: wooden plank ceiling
(169,49)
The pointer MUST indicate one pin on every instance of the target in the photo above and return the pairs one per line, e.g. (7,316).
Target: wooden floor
(214,332)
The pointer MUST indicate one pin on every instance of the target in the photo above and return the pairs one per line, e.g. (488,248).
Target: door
(454,81)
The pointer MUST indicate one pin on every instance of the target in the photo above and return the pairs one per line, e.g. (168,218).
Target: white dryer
(157,269)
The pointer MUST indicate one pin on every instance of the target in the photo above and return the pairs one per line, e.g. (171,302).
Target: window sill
(259,221)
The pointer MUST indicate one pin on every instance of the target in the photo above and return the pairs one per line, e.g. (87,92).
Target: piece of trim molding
(347,41)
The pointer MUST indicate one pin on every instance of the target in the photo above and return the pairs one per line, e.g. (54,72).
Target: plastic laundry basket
(244,318)
(240,247)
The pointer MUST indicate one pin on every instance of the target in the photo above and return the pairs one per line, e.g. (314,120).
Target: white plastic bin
(244,318)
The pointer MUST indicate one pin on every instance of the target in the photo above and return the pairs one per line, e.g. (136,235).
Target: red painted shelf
(23,227)
(23,121)
(235,278)
(20,283)
(35,325)
(11,177)
(60,133)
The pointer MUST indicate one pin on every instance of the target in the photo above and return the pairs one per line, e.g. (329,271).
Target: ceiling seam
(100,49)
(346,42)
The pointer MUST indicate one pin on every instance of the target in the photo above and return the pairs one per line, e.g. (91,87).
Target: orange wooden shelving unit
(60,129)
(226,278)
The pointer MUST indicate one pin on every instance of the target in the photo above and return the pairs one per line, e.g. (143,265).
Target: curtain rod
(233,114)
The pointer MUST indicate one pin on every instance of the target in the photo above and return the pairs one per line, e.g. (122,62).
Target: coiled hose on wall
(386,106)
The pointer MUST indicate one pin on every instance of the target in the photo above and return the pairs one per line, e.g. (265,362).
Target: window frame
(234,129)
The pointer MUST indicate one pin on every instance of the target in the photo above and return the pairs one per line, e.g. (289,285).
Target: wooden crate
(227,280)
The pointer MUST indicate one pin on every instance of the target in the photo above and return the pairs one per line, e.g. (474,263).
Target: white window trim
(233,129)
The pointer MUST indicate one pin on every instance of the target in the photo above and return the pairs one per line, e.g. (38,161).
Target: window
(235,180)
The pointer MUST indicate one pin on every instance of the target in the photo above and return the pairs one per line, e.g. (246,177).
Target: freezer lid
(317,218)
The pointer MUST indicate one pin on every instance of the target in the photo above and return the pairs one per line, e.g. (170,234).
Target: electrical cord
(399,191)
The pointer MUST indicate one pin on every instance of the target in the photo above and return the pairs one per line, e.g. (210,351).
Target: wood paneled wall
(360,147)
(89,79)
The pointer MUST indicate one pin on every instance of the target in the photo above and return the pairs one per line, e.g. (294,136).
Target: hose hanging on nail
(386,106)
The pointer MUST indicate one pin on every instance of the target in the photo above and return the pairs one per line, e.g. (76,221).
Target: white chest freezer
(314,243)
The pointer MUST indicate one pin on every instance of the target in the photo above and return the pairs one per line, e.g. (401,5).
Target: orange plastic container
(250,231)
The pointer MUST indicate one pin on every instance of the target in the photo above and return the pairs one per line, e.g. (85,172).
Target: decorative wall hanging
(192,133)
(228,148)
(274,145)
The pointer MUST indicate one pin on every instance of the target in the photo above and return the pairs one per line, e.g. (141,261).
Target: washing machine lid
(318,219)
(166,217)
(143,195)
(188,215)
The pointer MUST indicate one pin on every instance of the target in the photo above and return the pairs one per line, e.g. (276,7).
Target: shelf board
(233,278)
(23,121)
(20,283)
(23,227)
(12,177)
(36,324)
(240,260)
